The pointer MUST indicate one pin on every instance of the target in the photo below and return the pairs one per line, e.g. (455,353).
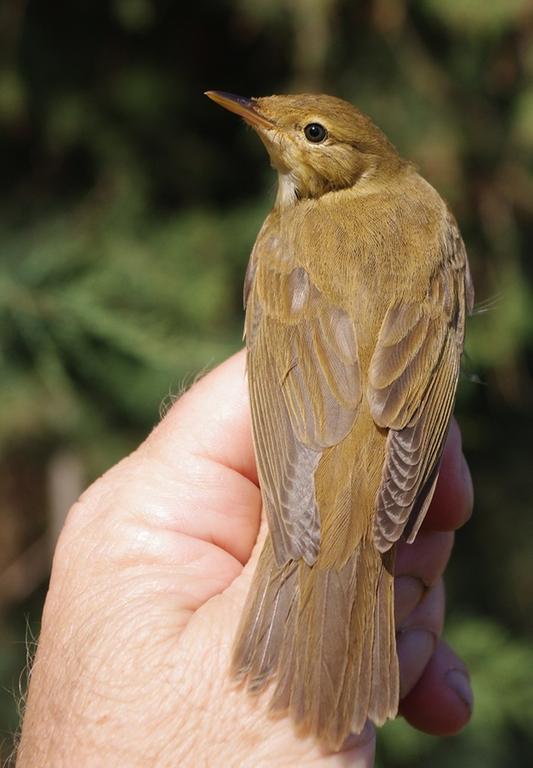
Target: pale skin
(148,583)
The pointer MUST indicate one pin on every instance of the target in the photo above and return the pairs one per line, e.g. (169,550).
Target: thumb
(184,508)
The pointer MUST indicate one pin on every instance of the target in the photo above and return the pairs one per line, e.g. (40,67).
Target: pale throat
(287,190)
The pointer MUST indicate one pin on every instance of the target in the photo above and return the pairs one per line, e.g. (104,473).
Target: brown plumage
(356,295)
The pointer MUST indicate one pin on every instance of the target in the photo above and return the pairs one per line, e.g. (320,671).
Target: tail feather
(355,694)
(322,637)
(383,702)
(260,637)
(326,638)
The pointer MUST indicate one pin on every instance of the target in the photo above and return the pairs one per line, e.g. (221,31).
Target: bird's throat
(287,190)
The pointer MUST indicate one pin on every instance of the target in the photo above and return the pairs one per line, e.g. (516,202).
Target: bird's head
(317,143)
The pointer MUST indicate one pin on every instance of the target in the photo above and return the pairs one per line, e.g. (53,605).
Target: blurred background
(128,209)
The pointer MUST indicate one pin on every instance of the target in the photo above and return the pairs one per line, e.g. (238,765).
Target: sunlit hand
(148,583)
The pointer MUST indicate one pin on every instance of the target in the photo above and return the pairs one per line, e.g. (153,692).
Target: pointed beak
(242,106)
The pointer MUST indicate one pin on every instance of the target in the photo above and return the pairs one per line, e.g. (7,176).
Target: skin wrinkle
(246,496)
(184,494)
(76,716)
(88,640)
(211,708)
(132,644)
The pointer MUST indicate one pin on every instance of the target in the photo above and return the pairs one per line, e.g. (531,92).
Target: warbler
(356,295)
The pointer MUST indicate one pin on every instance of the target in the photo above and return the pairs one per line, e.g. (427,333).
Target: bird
(356,295)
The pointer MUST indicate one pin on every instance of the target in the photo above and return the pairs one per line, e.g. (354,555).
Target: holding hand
(148,584)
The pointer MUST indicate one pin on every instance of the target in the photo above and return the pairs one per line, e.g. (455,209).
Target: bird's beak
(242,106)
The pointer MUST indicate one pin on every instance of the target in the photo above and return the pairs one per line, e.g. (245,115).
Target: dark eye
(315,132)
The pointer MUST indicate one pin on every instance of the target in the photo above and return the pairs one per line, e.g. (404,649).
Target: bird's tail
(326,638)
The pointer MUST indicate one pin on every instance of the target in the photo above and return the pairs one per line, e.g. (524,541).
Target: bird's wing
(305,388)
(411,389)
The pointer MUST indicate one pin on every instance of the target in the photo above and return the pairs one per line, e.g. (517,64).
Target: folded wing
(305,388)
(411,389)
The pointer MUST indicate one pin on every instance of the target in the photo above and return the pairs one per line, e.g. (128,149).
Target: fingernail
(458,682)
(415,647)
(408,592)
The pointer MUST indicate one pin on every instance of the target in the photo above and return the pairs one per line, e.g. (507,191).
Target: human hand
(148,583)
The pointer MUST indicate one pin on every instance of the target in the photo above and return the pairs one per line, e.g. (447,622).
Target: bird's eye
(315,132)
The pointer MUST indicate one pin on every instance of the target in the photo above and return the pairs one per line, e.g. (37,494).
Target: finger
(441,702)
(426,558)
(419,566)
(408,592)
(453,500)
(418,637)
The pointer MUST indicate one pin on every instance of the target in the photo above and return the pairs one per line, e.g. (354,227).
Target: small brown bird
(356,294)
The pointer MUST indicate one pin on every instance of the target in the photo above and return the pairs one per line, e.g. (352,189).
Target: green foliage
(102,316)
(523,120)
(134,15)
(493,333)
(478,17)
(12,99)
(130,205)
